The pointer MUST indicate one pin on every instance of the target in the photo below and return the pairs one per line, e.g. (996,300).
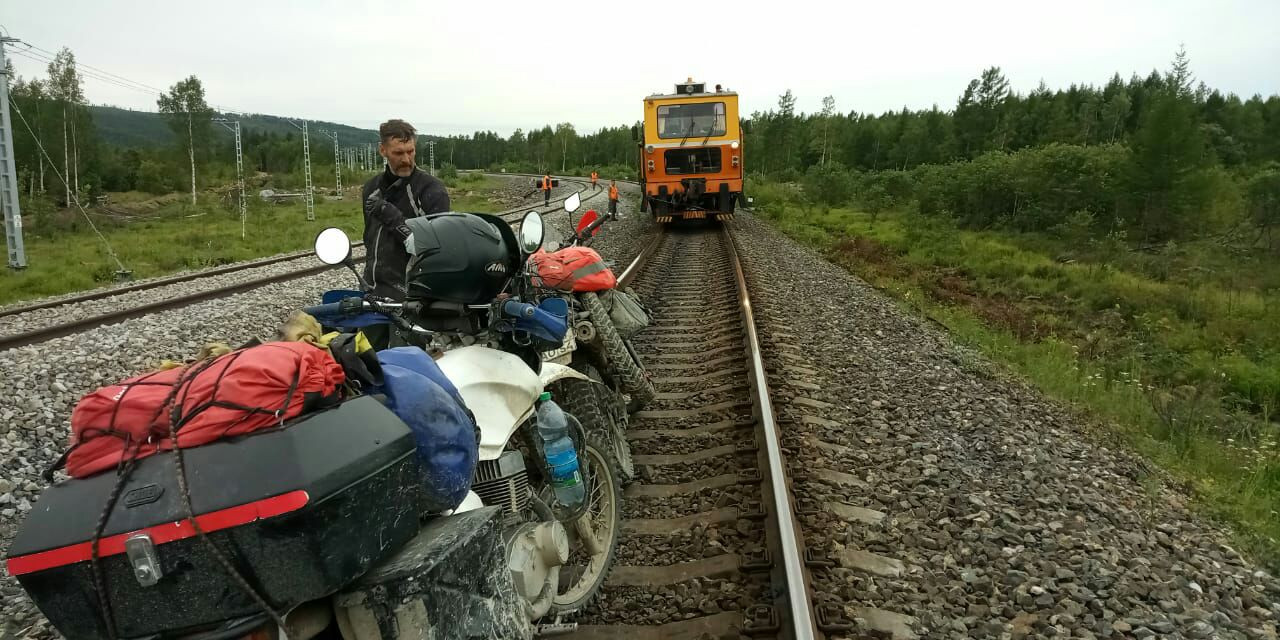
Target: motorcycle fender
(469,503)
(498,387)
(552,372)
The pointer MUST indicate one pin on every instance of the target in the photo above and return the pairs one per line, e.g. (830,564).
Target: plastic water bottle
(557,446)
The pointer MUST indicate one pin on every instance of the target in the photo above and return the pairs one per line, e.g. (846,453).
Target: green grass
(1175,351)
(64,255)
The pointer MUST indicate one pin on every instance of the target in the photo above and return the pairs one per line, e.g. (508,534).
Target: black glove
(377,200)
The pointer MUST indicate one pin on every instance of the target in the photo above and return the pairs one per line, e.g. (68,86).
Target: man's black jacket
(421,194)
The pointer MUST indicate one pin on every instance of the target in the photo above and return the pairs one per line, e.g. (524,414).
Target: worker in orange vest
(546,189)
(594,176)
(613,198)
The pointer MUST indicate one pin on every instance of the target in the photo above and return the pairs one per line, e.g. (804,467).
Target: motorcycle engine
(504,483)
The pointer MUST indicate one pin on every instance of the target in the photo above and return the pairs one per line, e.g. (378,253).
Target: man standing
(546,189)
(613,198)
(401,191)
(594,177)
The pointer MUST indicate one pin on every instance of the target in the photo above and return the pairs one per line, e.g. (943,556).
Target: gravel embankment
(1010,518)
(45,380)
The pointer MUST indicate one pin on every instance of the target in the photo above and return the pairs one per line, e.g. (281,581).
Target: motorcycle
(598,345)
(559,556)
(317,526)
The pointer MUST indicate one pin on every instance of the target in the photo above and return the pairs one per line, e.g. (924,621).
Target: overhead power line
(74,198)
(39,54)
(95,69)
(87,74)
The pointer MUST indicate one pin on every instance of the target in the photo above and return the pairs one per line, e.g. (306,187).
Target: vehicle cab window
(691,120)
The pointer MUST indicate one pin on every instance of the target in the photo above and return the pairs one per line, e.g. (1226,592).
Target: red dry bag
(575,269)
(243,391)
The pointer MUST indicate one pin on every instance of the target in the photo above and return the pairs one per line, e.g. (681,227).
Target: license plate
(569,344)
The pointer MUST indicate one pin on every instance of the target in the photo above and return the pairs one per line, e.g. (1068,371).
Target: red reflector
(160,534)
(265,632)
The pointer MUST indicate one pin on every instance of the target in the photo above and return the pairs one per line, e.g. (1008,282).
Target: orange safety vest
(546,183)
(613,192)
(594,175)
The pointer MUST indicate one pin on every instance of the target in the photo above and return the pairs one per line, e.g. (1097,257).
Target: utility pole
(337,163)
(239,167)
(9,175)
(431,144)
(306,169)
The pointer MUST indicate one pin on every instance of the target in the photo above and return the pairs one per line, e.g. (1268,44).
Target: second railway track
(49,319)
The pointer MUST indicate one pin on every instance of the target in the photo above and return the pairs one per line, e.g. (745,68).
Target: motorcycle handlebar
(517,309)
(345,306)
(580,237)
(323,309)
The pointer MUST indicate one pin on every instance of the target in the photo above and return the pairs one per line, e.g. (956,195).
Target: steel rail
(161,282)
(641,259)
(798,604)
(803,621)
(51,332)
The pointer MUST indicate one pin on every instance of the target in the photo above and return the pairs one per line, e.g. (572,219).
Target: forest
(1153,157)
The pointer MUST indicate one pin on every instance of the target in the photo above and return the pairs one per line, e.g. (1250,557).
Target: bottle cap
(546,395)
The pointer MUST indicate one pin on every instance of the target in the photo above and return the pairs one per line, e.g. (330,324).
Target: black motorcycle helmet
(465,258)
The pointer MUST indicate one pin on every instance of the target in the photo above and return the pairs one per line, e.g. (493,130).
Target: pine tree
(1167,148)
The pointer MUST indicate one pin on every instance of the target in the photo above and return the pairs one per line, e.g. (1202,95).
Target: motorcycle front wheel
(585,572)
(601,410)
(622,362)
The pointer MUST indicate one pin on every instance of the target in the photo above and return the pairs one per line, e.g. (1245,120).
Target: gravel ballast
(1010,518)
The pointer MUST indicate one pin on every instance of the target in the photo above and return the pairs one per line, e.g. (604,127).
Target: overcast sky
(458,66)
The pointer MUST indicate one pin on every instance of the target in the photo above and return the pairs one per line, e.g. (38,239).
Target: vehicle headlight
(649,149)
(733,145)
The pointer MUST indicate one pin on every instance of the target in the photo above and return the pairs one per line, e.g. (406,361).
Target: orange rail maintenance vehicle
(691,153)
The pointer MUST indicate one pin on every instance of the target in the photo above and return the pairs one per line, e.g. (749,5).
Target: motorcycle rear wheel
(590,404)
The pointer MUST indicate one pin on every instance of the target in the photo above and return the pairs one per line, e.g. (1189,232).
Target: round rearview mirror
(531,232)
(333,246)
(572,203)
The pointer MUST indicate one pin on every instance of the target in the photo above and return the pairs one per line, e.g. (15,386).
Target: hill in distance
(129,128)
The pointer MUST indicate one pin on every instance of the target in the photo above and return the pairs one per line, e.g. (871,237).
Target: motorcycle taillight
(267,631)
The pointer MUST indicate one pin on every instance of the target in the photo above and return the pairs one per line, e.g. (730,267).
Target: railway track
(59,327)
(712,544)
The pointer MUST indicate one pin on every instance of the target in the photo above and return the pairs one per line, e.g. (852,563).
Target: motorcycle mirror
(572,203)
(333,246)
(531,232)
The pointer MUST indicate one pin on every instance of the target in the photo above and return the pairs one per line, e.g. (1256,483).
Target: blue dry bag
(443,430)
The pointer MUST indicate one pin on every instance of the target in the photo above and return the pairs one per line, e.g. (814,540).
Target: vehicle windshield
(691,120)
